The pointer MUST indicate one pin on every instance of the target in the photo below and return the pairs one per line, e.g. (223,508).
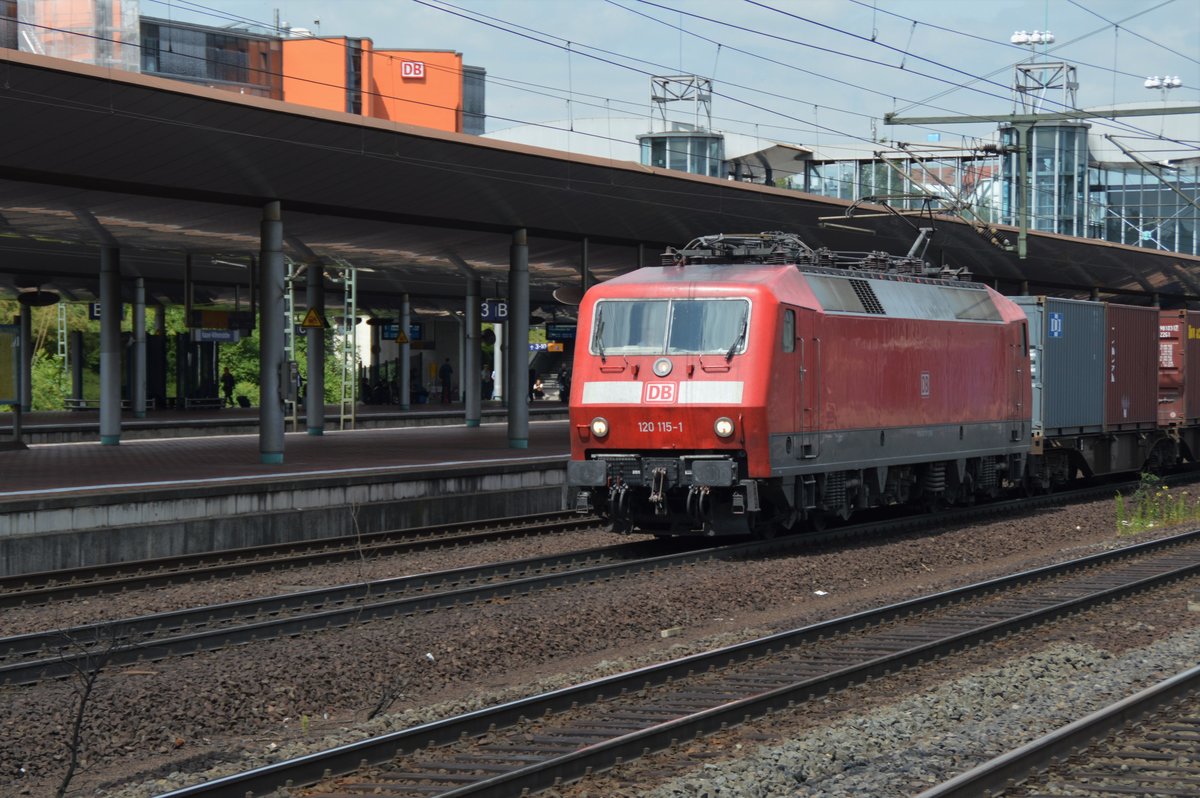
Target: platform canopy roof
(96,157)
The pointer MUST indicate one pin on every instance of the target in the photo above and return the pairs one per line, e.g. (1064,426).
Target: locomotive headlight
(662,367)
(723,427)
(599,426)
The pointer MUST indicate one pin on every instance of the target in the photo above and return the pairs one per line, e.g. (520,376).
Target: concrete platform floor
(211,460)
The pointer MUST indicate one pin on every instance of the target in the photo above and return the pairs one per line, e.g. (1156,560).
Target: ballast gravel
(168,724)
(918,742)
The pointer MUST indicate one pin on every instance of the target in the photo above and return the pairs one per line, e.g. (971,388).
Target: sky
(813,72)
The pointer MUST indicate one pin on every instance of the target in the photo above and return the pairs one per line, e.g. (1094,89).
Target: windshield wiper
(599,334)
(740,336)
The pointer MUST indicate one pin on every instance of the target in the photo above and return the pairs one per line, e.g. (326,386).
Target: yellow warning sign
(401,338)
(313,319)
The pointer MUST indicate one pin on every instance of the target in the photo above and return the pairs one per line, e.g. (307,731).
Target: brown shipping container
(1131,385)
(1191,344)
(1172,366)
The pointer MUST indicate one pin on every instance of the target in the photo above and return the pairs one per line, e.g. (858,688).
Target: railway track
(1143,745)
(45,587)
(48,586)
(562,736)
(30,658)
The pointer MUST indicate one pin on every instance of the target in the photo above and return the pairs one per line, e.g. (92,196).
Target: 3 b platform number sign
(493,310)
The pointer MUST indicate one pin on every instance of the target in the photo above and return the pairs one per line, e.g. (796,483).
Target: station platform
(72,504)
(69,426)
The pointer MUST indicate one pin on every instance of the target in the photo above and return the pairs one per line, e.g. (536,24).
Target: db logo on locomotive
(660,392)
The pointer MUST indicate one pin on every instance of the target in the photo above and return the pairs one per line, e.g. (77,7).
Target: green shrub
(1153,504)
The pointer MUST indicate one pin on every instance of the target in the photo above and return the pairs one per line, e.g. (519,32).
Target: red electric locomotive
(750,383)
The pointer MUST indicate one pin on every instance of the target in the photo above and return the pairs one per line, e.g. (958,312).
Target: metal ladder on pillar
(347,342)
(290,405)
(62,337)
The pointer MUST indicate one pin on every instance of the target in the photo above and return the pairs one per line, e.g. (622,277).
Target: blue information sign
(560,332)
(217,336)
(493,310)
(94,311)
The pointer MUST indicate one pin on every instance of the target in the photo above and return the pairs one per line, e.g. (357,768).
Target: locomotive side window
(789,331)
(672,327)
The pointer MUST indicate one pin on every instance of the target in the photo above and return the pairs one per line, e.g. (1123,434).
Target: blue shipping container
(1067,363)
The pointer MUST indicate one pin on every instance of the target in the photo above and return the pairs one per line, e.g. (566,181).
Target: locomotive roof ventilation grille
(866,295)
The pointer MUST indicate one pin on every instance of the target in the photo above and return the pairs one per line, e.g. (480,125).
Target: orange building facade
(418,87)
(431,88)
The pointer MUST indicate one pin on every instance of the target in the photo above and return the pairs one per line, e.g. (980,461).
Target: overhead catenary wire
(832,130)
(573,97)
(552,43)
(1061,106)
(817,126)
(1134,33)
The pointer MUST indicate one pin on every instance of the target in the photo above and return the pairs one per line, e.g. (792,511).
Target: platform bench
(206,403)
(94,404)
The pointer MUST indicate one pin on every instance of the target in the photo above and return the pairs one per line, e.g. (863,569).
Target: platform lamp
(37,298)
(1165,83)
(1031,40)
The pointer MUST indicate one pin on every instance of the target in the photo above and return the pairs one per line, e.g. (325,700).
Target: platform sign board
(391,332)
(10,359)
(218,336)
(94,311)
(493,310)
(556,331)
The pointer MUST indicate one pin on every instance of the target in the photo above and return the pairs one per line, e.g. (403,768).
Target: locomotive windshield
(670,326)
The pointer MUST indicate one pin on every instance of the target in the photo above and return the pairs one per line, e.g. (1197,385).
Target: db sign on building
(412,70)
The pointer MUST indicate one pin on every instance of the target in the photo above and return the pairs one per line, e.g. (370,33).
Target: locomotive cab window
(789,331)
(670,326)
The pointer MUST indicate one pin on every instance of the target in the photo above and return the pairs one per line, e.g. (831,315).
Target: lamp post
(1165,83)
(1032,39)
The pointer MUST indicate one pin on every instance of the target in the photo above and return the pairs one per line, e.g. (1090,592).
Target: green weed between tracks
(1154,505)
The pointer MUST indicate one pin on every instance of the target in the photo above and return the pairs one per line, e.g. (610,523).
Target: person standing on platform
(227,383)
(446,375)
(564,383)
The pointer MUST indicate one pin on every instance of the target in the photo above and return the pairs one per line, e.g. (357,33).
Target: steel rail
(1016,765)
(162,635)
(580,758)
(45,586)
(60,653)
